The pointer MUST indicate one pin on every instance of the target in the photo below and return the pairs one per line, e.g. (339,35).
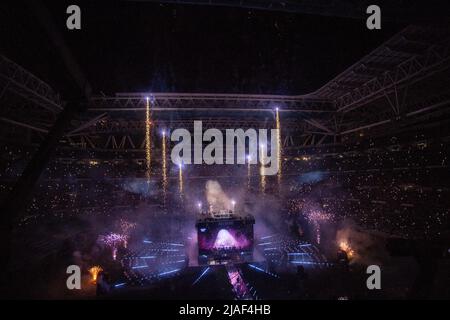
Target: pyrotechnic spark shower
(345,246)
(262,170)
(317,230)
(180,179)
(114,240)
(279,152)
(148,151)
(316,217)
(249,158)
(126,226)
(164,167)
(94,271)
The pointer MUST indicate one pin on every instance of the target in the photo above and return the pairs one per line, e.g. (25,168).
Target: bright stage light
(119,285)
(225,239)
(256,268)
(201,276)
(267,237)
(175,244)
(168,272)
(262,270)
(264,243)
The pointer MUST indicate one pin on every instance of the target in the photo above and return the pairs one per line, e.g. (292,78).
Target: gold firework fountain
(180,180)
(279,152)
(164,167)
(248,173)
(262,169)
(148,147)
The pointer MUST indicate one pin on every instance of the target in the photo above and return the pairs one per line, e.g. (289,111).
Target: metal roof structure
(377,91)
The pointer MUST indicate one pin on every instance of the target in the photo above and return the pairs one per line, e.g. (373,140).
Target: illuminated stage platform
(224,237)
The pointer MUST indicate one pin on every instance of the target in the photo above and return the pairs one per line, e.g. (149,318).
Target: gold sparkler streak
(317,229)
(164,168)
(262,171)
(279,153)
(148,150)
(248,175)
(180,180)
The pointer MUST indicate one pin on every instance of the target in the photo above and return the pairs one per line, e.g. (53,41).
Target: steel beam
(28,85)
(210,102)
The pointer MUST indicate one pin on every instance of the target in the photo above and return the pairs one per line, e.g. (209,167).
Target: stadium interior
(86,176)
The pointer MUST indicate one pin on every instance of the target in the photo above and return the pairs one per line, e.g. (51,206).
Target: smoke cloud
(216,197)
(368,248)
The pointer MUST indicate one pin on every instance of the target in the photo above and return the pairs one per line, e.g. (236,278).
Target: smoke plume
(216,197)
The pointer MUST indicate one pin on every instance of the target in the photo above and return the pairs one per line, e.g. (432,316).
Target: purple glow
(240,289)
(225,239)
(229,238)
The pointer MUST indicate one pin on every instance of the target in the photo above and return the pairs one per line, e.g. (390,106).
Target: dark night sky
(127,47)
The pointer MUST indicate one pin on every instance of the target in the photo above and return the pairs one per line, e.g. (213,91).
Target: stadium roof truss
(372,93)
(28,103)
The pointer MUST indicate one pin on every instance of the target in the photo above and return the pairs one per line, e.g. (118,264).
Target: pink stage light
(225,239)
